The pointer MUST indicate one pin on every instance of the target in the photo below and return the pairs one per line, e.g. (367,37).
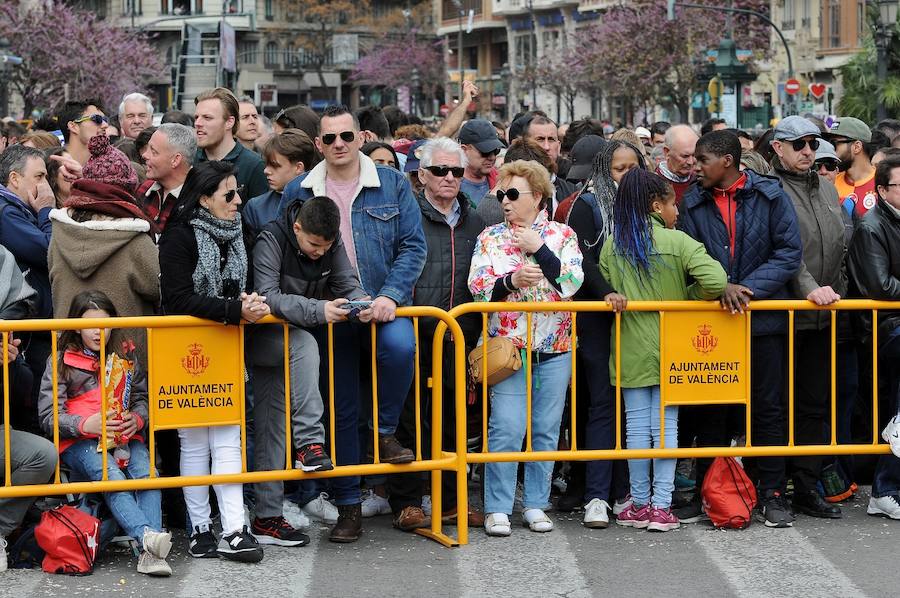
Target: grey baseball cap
(795,127)
(848,127)
(825,151)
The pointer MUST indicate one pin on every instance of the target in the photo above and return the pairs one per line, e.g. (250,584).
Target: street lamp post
(506,78)
(459,45)
(533,47)
(884,33)
(414,79)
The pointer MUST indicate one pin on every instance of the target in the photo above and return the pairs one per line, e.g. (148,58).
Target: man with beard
(856,182)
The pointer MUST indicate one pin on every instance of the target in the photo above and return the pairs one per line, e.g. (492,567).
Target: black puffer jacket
(874,263)
(443,282)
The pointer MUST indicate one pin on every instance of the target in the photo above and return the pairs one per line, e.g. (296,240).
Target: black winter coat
(444,280)
(874,263)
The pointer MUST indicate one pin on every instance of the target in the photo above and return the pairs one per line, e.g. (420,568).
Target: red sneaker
(662,520)
(634,516)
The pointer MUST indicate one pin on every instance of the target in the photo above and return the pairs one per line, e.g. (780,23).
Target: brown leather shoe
(391,451)
(410,518)
(476,518)
(349,524)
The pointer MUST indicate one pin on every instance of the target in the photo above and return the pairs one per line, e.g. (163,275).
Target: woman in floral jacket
(531,259)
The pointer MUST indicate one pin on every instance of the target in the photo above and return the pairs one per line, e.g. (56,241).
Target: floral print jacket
(495,256)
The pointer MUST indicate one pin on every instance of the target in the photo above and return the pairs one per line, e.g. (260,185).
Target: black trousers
(407,489)
(812,402)
(768,400)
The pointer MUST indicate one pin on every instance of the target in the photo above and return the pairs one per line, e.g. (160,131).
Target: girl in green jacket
(646,259)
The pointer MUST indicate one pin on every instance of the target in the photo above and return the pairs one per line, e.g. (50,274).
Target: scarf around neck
(664,170)
(213,235)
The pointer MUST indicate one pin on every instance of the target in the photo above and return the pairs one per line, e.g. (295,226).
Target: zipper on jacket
(452,262)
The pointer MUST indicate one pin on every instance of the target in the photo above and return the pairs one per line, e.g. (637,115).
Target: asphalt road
(854,556)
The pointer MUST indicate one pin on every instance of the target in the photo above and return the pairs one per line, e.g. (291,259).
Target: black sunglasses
(97,119)
(229,195)
(799,144)
(512,193)
(441,171)
(830,165)
(491,154)
(346,137)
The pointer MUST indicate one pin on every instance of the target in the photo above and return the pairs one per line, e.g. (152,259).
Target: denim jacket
(387,227)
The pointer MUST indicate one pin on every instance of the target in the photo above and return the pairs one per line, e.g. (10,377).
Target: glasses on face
(799,144)
(837,142)
(346,137)
(491,154)
(230,195)
(829,165)
(441,171)
(512,194)
(97,119)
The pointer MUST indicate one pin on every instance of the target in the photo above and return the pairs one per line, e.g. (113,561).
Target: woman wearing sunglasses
(530,259)
(203,273)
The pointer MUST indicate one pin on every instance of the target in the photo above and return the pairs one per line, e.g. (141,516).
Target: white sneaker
(596,514)
(320,508)
(426,504)
(3,564)
(886,506)
(497,524)
(294,515)
(151,565)
(891,435)
(157,543)
(373,504)
(620,506)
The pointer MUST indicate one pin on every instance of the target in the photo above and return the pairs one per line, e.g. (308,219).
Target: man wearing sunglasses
(821,279)
(79,120)
(381,226)
(827,162)
(479,141)
(852,141)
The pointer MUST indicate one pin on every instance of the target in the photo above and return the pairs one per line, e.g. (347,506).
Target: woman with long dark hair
(203,273)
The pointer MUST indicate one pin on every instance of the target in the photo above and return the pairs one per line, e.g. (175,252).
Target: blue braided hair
(633,230)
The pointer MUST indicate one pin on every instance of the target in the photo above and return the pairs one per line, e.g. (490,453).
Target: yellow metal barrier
(439,461)
(458,461)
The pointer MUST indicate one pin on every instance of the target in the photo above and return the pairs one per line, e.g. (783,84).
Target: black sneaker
(812,504)
(312,457)
(278,532)
(690,513)
(774,510)
(203,543)
(240,546)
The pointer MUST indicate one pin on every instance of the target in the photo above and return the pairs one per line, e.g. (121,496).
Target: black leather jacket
(874,262)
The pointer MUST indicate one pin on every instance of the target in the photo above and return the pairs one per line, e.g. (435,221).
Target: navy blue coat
(767,250)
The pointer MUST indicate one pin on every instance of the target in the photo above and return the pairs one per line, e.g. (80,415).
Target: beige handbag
(503,360)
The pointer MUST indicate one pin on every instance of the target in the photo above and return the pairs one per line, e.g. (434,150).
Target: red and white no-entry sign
(791,86)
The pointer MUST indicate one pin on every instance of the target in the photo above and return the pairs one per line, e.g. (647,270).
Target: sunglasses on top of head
(346,137)
(284,120)
(97,119)
(441,171)
(512,194)
(799,144)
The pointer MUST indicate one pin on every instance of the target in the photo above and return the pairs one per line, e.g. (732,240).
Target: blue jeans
(133,511)
(642,431)
(506,432)
(887,472)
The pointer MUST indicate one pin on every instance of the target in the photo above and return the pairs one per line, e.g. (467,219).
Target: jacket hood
(430,212)
(85,246)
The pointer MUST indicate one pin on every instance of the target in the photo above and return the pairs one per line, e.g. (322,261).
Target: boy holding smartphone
(301,262)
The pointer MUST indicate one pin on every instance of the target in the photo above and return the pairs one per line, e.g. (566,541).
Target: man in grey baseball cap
(856,182)
(821,279)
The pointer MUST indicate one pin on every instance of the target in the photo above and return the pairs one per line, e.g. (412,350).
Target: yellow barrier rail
(458,461)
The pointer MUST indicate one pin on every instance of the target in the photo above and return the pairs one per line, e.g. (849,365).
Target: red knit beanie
(109,165)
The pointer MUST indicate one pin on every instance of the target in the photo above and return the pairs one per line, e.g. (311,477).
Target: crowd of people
(345,216)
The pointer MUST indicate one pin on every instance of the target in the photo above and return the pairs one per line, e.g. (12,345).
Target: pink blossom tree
(637,54)
(391,61)
(62,46)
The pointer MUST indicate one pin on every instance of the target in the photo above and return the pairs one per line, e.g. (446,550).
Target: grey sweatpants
(268,409)
(33,462)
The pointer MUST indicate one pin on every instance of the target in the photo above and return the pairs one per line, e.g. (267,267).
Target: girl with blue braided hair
(646,259)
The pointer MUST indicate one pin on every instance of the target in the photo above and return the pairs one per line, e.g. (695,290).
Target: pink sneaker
(662,520)
(634,516)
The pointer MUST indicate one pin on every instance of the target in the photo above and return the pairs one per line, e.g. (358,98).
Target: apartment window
(860,21)
(551,41)
(805,16)
(271,56)
(834,23)
(270,10)
(524,49)
(247,52)
(787,19)
(291,57)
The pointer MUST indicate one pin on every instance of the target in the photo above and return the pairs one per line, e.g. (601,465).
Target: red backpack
(70,539)
(728,494)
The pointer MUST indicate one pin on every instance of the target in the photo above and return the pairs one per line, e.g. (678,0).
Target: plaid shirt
(157,207)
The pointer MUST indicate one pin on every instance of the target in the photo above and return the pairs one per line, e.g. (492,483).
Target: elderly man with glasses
(821,279)
(381,226)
